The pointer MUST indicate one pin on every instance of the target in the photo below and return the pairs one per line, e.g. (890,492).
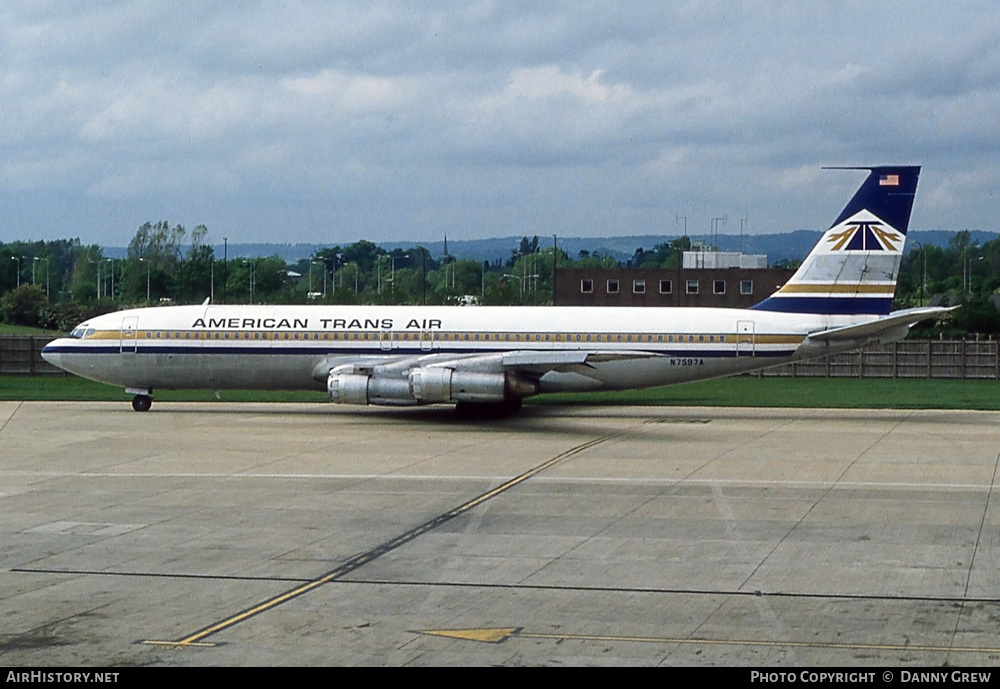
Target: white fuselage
(295,347)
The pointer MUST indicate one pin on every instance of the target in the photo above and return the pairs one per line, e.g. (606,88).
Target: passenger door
(128,338)
(745,338)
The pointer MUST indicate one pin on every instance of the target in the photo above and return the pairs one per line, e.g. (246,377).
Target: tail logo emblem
(866,236)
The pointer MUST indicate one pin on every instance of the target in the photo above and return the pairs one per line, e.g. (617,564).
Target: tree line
(57,284)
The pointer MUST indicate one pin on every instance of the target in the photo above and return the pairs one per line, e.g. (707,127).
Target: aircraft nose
(50,354)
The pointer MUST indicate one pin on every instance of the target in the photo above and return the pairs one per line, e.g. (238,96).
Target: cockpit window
(77,333)
(90,331)
(81,332)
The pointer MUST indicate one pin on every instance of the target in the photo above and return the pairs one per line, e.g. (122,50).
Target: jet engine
(425,386)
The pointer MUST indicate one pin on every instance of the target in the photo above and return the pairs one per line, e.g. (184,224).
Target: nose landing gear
(142,399)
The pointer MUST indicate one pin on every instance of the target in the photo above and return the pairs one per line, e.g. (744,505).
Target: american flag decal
(888,180)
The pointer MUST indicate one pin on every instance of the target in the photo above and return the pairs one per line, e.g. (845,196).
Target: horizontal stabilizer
(898,319)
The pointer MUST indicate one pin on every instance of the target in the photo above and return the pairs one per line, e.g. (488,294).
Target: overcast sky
(331,122)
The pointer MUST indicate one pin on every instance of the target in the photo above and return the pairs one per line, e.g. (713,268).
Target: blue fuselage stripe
(141,349)
(839,306)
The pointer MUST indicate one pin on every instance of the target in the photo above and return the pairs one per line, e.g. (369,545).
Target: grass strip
(743,391)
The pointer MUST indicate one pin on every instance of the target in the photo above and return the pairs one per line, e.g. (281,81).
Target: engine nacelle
(446,385)
(356,388)
(425,386)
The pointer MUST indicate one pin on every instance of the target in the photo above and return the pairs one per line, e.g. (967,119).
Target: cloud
(387,121)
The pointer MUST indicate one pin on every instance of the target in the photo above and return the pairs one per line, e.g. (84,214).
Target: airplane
(487,359)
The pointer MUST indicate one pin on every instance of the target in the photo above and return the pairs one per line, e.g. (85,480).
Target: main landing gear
(488,410)
(142,399)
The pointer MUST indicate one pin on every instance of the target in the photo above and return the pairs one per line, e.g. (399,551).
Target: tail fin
(853,268)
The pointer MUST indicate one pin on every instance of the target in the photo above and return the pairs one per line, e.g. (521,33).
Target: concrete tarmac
(252,534)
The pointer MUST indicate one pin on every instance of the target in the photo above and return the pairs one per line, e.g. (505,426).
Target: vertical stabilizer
(853,268)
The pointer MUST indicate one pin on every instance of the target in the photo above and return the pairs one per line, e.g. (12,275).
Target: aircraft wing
(898,321)
(545,361)
(536,363)
(490,377)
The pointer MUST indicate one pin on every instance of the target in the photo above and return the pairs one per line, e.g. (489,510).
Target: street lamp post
(967,277)
(225,268)
(965,270)
(36,258)
(311,264)
(112,271)
(15,258)
(555,262)
(97,277)
(105,278)
(923,283)
(253,269)
(146,261)
(357,270)
(520,280)
(392,273)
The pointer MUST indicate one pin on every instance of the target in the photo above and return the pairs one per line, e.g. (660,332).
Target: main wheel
(487,410)
(142,402)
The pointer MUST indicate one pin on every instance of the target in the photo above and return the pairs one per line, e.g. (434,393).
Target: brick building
(721,287)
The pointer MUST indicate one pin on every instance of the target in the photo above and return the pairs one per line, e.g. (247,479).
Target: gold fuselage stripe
(812,288)
(440,336)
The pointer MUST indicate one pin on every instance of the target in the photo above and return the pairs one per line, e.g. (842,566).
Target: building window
(612,286)
(692,287)
(587,286)
(746,286)
(719,286)
(638,286)
(666,286)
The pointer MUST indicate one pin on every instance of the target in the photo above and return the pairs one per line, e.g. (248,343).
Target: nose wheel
(142,402)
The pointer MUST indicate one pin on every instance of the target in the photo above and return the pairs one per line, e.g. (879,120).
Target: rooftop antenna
(715,229)
(744,221)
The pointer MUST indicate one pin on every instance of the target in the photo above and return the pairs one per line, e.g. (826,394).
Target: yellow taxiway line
(197,638)
(497,635)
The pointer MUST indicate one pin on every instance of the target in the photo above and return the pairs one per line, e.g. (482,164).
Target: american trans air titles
(236,323)
(487,359)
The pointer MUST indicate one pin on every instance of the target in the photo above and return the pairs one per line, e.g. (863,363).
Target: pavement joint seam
(198,637)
